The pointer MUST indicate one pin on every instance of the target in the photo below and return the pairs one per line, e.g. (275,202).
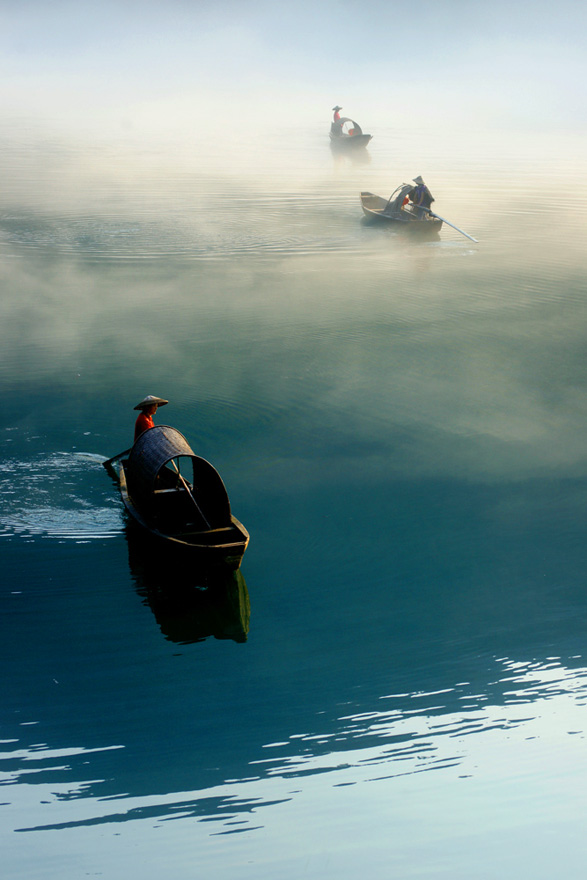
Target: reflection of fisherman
(148,408)
(421,197)
(336,127)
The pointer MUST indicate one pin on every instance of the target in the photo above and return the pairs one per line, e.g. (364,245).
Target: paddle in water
(448,223)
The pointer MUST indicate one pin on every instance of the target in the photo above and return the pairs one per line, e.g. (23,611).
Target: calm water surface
(395,684)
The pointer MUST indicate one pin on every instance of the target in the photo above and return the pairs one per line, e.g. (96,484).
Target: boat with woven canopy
(346,133)
(188,511)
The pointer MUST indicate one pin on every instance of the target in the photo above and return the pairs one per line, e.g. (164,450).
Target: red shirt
(143,423)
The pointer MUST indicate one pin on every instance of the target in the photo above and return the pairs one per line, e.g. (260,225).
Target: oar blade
(448,223)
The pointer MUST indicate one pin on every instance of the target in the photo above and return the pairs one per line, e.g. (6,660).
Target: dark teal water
(396,683)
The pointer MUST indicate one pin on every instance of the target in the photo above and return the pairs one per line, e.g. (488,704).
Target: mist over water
(394,683)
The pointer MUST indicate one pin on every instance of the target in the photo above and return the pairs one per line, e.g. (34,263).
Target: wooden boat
(191,516)
(348,134)
(393,210)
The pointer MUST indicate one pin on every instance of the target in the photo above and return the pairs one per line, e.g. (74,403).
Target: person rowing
(148,407)
(421,197)
(336,126)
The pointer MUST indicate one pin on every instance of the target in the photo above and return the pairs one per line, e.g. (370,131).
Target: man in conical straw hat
(148,408)
(421,197)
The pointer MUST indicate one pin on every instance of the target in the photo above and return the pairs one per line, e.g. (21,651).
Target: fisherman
(421,197)
(336,126)
(148,408)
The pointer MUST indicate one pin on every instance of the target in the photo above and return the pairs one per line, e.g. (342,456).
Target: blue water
(395,683)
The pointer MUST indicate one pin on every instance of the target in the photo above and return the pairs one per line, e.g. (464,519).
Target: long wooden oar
(188,490)
(115,458)
(448,223)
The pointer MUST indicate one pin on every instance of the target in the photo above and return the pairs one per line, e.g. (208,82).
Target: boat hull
(349,142)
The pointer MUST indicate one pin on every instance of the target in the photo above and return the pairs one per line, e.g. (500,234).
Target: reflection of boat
(206,602)
(221,611)
(193,516)
(345,133)
(399,210)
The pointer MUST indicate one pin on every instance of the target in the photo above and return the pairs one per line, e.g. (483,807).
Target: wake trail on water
(58,495)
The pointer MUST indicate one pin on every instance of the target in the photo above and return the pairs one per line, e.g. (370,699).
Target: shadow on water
(189,605)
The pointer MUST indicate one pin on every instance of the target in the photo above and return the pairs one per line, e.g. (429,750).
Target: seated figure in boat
(336,126)
(148,408)
(421,197)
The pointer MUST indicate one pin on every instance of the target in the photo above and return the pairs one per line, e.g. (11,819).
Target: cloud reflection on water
(452,730)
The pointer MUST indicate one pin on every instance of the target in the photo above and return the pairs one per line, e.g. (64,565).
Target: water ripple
(59,495)
(235,230)
(438,733)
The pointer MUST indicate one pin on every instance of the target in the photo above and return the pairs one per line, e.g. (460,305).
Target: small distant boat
(399,210)
(345,133)
(193,517)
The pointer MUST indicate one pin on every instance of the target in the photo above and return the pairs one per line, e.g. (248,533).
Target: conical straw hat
(149,400)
